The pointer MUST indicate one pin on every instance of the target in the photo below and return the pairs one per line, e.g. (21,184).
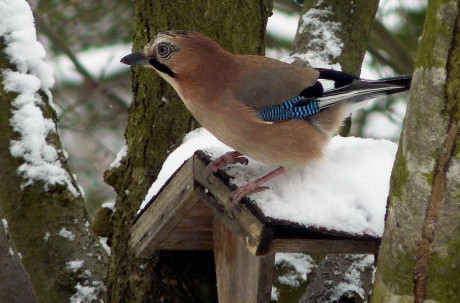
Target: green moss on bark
(444,286)
(398,275)
(35,215)
(399,176)
(381,294)
(437,31)
(432,123)
(102,225)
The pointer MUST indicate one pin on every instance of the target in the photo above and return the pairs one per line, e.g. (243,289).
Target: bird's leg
(254,186)
(232,157)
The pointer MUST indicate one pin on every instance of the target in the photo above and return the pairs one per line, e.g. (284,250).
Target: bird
(271,111)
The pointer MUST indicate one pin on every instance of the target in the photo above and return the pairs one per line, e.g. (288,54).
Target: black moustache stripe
(162,68)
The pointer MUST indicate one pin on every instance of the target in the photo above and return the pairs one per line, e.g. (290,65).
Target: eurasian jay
(274,112)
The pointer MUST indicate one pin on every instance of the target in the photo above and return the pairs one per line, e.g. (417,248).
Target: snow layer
(74,265)
(324,43)
(352,281)
(5,225)
(66,234)
(110,205)
(296,267)
(345,191)
(103,241)
(87,293)
(41,160)
(275,295)
(120,156)
(301,265)
(197,139)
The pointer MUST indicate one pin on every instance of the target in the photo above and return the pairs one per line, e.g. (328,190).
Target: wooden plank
(198,219)
(326,246)
(194,231)
(238,218)
(181,218)
(162,216)
(241,276)
(188,241)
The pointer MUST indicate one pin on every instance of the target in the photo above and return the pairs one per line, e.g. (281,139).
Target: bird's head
(175,54)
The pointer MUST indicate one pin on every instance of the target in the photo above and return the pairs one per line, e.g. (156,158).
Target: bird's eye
(163,50)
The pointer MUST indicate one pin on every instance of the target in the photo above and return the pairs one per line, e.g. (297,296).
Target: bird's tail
(361,90)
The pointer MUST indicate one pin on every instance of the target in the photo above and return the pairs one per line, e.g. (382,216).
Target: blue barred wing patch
(295,108)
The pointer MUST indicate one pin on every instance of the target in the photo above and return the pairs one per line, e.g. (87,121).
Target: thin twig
(89,79)
(399,57)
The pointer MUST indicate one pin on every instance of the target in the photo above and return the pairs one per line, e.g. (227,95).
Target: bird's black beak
(136,58)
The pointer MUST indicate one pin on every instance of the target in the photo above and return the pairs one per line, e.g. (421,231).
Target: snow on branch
(322,45)
(31,77)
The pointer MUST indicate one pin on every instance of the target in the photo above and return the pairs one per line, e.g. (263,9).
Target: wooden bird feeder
(190,213)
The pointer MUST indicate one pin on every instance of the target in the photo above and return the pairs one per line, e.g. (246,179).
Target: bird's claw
(243,191)
(242,160)
(228,158)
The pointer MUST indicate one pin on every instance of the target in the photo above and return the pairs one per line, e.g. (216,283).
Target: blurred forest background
(85,40)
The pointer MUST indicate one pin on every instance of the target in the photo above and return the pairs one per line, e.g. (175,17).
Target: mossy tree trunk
(157,124)
(36,216)
(420,253)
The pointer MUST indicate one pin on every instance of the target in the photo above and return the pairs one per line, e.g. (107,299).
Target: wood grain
(181,216)
(241,276)
(238,218)
(161,217)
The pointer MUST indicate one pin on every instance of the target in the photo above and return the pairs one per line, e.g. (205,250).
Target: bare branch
(89,79)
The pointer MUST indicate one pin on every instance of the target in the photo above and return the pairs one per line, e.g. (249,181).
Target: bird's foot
(254,186)
(243,191)
(232,157)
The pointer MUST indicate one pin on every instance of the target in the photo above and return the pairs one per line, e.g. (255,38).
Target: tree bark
(157,124)
(333,34)
(36,214)
(16,286)
(419,256)
(344,278)
(347,24)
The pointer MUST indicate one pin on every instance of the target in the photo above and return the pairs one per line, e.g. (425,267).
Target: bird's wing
(358,90)
(278,91)
(262,82)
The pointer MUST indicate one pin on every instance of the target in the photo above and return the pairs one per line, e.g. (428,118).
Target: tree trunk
(420,254)
(343,278)
(346,25)
(333,34)
(16,286)
(46,221)
(157,124)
